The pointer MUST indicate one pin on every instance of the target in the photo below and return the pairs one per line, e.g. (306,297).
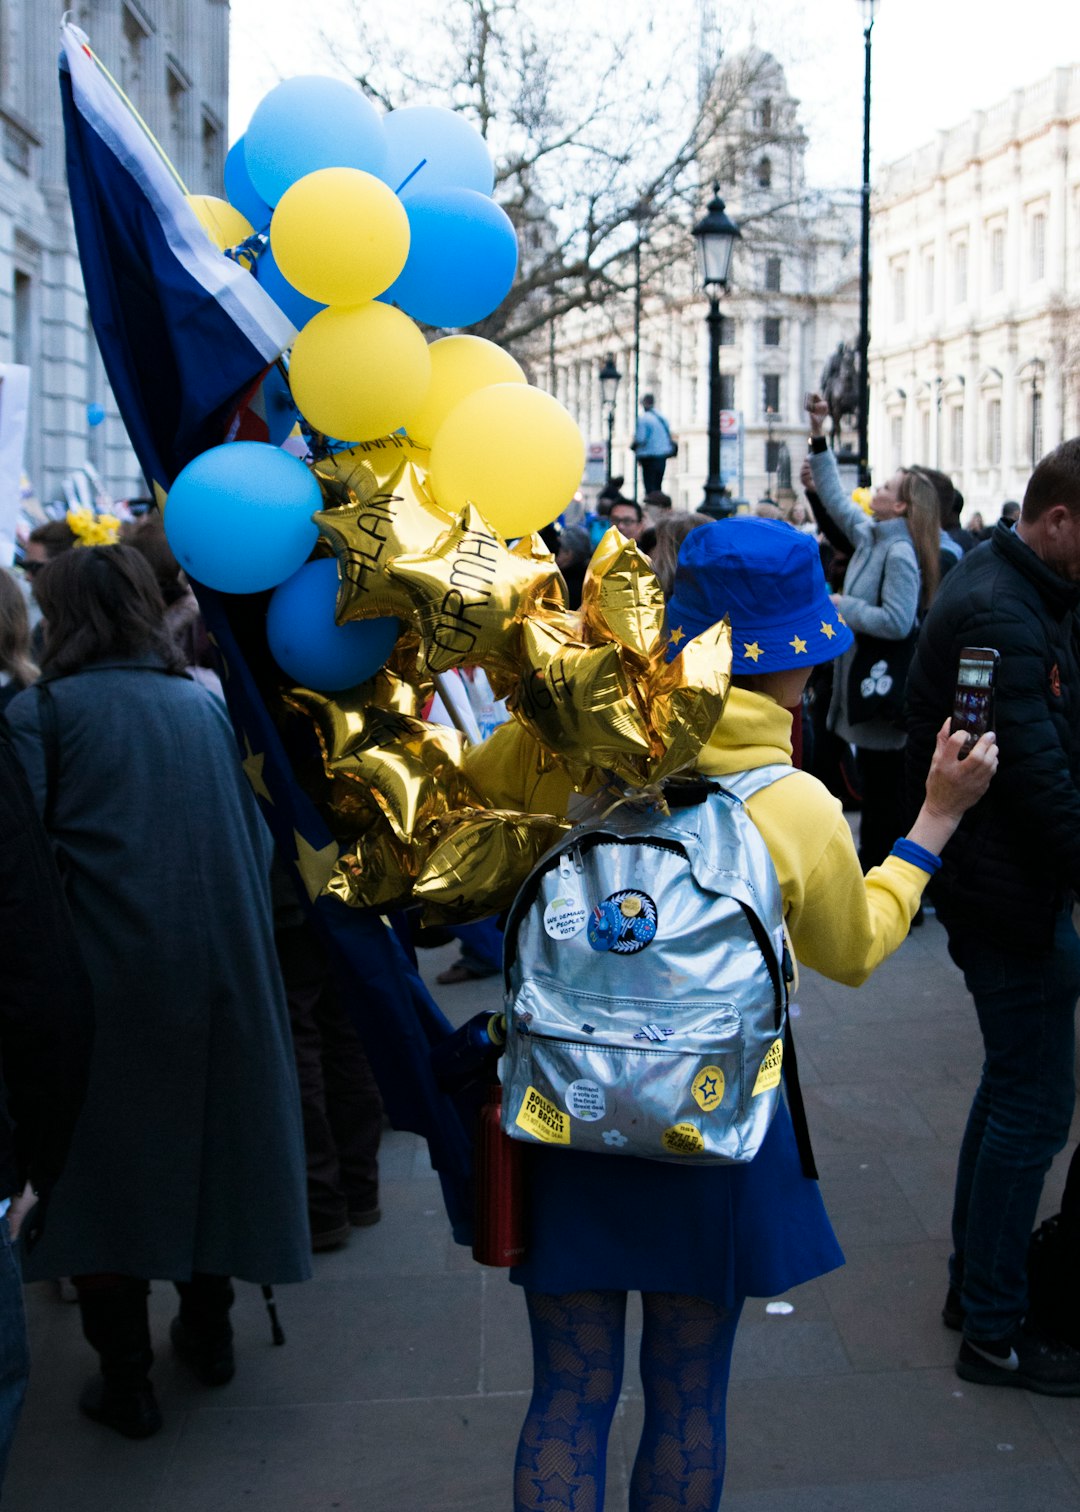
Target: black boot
(115,1324)
(201,1332)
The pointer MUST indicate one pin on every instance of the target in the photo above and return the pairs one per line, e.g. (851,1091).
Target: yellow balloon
(224,226)
(358,373)
(340,236)
(511,450)
(459,366)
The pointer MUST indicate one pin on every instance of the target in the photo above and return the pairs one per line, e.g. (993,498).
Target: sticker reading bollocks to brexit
(543,1119)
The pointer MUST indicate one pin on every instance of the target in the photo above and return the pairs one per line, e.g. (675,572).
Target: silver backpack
(647,976)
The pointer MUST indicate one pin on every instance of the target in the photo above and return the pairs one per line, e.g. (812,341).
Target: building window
(764,115)
(956,435)
(993,432)
(770,330)
(896,440)
(772,457)
(1038,247)
(212,159)
(997,259)
(727,391)
(764,173)
(899,292)
(727,331)
(132,59)
(771,393)
(928,276)
(772,275)
(960,272)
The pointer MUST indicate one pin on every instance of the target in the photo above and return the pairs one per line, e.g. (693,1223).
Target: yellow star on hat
(798,645)
(828,630)
(677,635)
(753,651)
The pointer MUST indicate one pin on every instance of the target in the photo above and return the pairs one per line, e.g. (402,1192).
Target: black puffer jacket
(1016,857)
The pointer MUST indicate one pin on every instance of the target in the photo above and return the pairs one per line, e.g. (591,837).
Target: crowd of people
(189,1102)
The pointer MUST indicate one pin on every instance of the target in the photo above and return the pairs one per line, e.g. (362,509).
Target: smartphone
(973,707)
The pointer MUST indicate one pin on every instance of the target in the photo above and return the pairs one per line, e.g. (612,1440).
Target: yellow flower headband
(90,529)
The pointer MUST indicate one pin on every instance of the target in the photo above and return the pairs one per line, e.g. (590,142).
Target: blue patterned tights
(578,1364)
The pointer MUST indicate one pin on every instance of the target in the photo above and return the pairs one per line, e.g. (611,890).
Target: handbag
(877,678)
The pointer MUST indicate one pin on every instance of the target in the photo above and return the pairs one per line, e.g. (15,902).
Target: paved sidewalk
(406,1374)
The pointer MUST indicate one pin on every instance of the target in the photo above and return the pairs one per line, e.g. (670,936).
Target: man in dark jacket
(46,1027)
(1005,895)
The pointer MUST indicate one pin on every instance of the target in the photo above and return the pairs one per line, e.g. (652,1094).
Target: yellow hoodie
(840,923)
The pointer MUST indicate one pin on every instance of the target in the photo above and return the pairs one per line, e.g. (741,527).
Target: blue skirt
(617,1223)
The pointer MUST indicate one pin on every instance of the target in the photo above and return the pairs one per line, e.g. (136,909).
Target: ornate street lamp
(609,387)
(869,11)
(715,235)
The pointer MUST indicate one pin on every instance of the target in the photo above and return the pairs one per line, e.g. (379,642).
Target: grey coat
(881,595)
(189,1152)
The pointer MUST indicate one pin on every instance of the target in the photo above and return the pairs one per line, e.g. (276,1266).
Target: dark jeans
(652,473)
(882,815)
(1019,1119)
(340,1101)
(14,1352)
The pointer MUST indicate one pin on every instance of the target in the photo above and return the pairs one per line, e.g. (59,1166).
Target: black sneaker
(952,1314)
(130,1407)
(1023,1359)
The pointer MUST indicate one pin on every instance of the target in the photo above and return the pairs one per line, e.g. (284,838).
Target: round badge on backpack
(633,920)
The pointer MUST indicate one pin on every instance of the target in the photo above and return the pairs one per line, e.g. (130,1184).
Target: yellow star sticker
(841,618)
(677,635)
(315,866)
(828,630)
(753,651)
(798,645)
(253,770)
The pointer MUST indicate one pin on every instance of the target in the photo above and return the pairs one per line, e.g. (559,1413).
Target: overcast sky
(935,61)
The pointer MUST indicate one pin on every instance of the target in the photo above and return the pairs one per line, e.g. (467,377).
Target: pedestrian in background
(1005,896)
(652,444)
(628,519)
(891,579)
(17,666)
(46,1033)
(188,1161)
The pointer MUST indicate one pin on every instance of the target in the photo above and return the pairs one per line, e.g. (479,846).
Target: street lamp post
(869,9)
(770,448)
(609,386)
(715,236)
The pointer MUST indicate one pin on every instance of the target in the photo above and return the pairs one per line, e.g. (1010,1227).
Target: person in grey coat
(187,1163)
(892,578)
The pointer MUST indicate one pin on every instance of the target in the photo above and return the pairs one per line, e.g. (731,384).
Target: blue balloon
(310,647)
(238,517)
(95,414)
(429,147)
(298,307)
(462,258)
(307,123)
(240,191)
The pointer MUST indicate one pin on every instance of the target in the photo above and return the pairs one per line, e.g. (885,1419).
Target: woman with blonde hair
(671,532)
(17,668)
(890,583)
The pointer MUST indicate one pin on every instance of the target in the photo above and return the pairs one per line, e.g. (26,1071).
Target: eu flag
(186,336)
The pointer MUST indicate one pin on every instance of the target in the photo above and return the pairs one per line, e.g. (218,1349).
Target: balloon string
(411,176)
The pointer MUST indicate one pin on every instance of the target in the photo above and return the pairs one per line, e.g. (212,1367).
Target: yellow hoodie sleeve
(510,771)
(840,923)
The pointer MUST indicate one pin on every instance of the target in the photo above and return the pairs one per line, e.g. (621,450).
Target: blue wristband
(917,855)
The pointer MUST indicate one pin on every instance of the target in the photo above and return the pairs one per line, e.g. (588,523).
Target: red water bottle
(500,1210)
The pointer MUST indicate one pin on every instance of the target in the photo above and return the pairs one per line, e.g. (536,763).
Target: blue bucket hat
(767,577)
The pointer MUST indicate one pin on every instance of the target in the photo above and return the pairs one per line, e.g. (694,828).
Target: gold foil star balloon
(479,860)
(686,697)
(372,528)
(469,593)
(622,598)
(580,700)
(379,872)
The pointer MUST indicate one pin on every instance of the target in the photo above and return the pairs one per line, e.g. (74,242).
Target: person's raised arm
(828,486)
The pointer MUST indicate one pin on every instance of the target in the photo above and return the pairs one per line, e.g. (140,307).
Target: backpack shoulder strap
(744,785)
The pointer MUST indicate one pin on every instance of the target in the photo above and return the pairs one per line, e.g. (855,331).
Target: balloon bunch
(401,546)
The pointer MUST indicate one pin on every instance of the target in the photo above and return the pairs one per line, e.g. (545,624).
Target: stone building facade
(793,297)
(171,58)
(975,315)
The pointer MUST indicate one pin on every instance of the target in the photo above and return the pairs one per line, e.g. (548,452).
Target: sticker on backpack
(624,923)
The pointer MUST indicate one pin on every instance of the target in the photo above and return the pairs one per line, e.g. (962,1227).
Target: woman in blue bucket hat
(696,1241)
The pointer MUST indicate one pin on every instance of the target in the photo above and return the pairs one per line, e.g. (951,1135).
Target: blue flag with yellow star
(186,336)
